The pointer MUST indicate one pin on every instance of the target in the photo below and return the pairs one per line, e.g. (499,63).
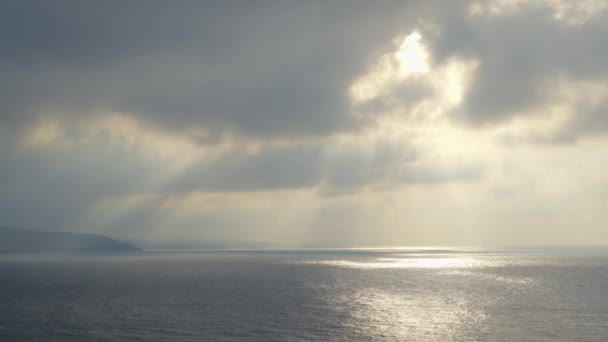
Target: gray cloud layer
(270,69)
(271,81)
(257,69)
(522,56)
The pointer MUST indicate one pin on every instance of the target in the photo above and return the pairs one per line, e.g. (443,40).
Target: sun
(409,58)
(412,55)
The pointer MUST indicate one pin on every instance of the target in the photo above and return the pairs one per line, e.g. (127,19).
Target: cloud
(523,51)
(194,67)
(341,167)
(272,168)
(347,121)
(63,171)
(181,68)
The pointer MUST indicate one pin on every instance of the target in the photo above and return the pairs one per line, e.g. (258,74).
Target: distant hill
(19,240)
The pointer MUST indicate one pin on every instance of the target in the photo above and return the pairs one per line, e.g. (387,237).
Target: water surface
(322,295)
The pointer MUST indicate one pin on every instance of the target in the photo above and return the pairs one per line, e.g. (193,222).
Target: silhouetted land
(19,240)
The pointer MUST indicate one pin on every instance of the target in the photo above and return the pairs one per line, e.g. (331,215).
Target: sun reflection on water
(407,262)
(438,295)
(402,316)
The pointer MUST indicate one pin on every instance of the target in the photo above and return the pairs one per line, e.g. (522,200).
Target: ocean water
(347,295)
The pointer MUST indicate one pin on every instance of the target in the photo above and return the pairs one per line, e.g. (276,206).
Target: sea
(397,294)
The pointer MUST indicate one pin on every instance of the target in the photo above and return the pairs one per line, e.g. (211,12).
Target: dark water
(316,296)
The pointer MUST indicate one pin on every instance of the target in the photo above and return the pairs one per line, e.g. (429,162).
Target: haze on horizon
(342,123)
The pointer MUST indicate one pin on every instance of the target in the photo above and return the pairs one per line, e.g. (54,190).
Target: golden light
(412,55)
(439,262)
(410,58)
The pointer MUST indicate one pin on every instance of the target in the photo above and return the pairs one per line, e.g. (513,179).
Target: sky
(307,123)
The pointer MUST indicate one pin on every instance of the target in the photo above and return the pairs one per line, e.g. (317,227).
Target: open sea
(555,294)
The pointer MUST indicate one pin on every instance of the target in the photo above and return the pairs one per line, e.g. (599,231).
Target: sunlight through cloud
(411,58)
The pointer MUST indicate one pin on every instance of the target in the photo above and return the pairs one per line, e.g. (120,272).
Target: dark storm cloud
(268,68)
(254,68)
(522,56)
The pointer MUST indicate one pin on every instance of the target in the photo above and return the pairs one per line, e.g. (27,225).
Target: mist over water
(345,295)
